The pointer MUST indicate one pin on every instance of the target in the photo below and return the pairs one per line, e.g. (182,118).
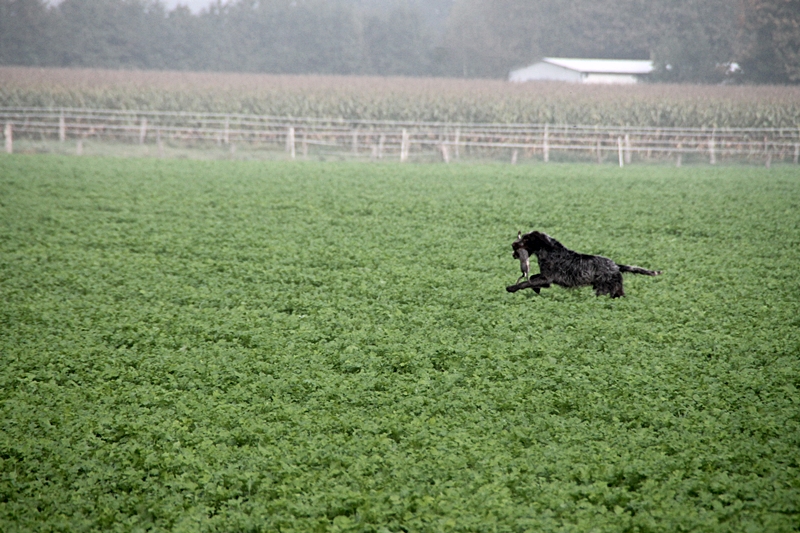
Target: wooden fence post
(619,151)
(159,143)
(445,152)
(712,155)
(797,148)
(355,142)
(381,141)
(679,159)
(768,152)
(226,133)
(627,149)
(290,142)
(62,128)
(649,144)
(305,145)
(599,152)
(457,141)
(143,130)
(9,138)
(514,155)
(404,146)
(546,144)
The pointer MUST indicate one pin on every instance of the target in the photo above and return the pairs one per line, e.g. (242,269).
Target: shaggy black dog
(561,266)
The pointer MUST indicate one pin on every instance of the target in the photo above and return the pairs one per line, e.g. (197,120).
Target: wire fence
(296,138)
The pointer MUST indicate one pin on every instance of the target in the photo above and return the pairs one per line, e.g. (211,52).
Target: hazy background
(689,40)
(194,5)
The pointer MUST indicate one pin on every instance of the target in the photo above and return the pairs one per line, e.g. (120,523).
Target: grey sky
(194,5)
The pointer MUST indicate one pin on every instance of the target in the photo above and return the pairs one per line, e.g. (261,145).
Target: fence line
(402,140)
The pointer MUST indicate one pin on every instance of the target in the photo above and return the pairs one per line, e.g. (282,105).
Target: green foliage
(769,51)
(697,39)
(695,45)
(277,36)
(215,346)
(24,32)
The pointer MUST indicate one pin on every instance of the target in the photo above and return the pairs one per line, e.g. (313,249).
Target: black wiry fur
(561,266)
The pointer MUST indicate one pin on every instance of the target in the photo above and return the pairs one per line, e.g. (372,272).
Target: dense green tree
(693,40)
(769,41)
(25,29)
(689,40)
(473,43)
(397,44)
(298,37)
(186,40)
(110,33)
(487,38)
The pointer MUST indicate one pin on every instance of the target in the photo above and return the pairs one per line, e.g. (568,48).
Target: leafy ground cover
(243,346)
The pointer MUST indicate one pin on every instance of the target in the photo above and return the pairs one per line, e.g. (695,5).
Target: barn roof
(604,66)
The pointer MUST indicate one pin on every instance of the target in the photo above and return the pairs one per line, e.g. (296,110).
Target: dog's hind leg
(611,286)
(618,292)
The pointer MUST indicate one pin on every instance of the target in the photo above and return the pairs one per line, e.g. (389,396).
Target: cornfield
(404,99)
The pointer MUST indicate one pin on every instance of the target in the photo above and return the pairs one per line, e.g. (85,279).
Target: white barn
(583,70)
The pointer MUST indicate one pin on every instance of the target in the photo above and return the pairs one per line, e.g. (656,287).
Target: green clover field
(220,346)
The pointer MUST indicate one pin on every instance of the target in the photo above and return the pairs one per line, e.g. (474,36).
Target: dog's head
(535,241)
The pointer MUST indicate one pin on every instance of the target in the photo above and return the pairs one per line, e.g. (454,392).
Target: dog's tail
(638,270)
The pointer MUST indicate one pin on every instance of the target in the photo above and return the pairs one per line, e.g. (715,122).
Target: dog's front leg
(536,283)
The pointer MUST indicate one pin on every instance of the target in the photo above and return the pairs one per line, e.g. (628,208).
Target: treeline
(690,40)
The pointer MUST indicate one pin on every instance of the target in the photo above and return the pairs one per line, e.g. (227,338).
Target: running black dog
(561,266)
